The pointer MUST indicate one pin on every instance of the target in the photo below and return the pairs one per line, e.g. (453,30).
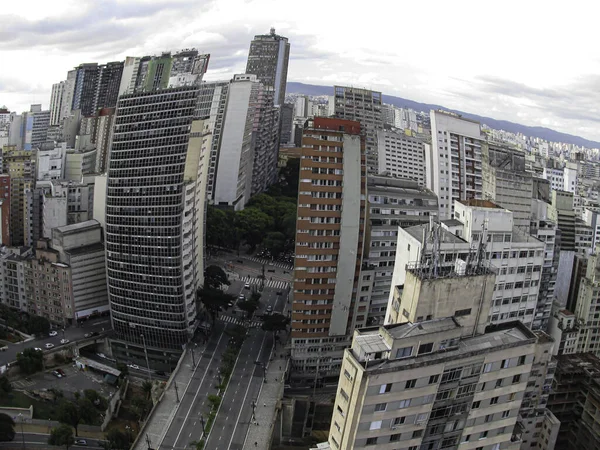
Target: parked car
(64,341)
(134,366)
(247,286)
(230,304)
(242,297)
(269,309)
(62,372)
(87,335)
(80,442)
(3,349)
(53,333)
(49,345)
(279,293)
(56,374)
(37,349)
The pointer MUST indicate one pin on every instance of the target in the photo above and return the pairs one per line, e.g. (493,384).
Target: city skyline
(509,76)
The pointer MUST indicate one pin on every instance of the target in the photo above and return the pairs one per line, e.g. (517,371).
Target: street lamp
(193,359)
(146,354)
(202,422)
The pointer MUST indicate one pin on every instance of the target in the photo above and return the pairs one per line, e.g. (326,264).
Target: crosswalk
(268,262)
(23,383)
(275,284)
(237,321)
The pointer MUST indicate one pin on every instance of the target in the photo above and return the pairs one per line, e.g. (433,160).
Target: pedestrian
(256,444)
(264,404)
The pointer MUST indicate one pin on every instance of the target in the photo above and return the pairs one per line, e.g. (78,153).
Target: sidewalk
(260,431)
(162,415)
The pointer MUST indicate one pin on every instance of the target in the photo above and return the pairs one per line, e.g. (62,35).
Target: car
(80,442)
(64,341)
(101,355)
(37,349)
(49,345)
(53,333)
(62,372)
(230,304)
(3,349)
(87,335)
(247,286)
(56,374)
(95,333)
(134,366)
(269,309)
(161,373)
(242,297)
(279,293)
(241,261)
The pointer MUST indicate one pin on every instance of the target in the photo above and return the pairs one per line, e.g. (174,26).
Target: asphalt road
(235,413)
(186,425)
(71,333)
(38,440)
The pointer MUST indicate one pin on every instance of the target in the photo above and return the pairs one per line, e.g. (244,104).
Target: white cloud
(500,59)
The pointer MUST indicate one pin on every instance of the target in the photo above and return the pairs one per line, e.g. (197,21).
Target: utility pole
(253,404)
(22,432)
(176,391)
(146,354)
(148,441)
(202,422)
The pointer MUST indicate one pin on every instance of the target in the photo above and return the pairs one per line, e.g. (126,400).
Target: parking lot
(74,381)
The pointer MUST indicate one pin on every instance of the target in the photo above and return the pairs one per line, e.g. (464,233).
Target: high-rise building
(20,166)
(400,155)
(286,124)
(507,183)
(363,106)
(330,235)
(109,80)
(96,86)
(56,100)
(231,111)
(86,85)
(152,224)
(66,105)
(393,203)
(12,277)
(453,160)
(268,59)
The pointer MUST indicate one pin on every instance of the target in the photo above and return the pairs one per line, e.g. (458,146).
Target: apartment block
(393,203)
(4,209)
(363,106)
(64,203)
(20,166)
(400,155)
(48,285)
(428,385)
(507,183)
(12,277)
(51,161)
(329,245)
(453,160)
(556,177)
(484,231)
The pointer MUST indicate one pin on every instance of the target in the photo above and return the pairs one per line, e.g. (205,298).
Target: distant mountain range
(540,132)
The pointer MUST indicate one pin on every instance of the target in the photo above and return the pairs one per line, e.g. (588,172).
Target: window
(404,403)
(385,388)
(487,368)
(521,360)
(505,414)
(399,421)
(499,382)
(376,425)
(488,418)
(493,400)
(380,407)
(410,384)
(395,437)
(372,441)
(421,418)
(404,352)
(344,395)
(434,379)
(476,404)
(462,312)
(425,348)
(505,363)
(483,435)
(341,411)
(417,433)
(516,379)
(347,375)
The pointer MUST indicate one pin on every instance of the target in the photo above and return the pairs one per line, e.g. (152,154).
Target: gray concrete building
(400,155)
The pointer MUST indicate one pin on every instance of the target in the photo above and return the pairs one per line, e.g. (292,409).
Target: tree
(118,440)
(219,227)
(147,388)
(215,277)
(68,414)
(274,242)
(213,300)
(62,435)
(140,406)
(5,386)
(275,322)
(87,411)
(38,325)
(7,428)
(97,400)
(122,367)
(30,361)
(252,224)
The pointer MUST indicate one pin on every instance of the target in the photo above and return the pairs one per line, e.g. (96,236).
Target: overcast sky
(529,62)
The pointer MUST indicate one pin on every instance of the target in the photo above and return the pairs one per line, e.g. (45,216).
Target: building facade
(453,160)
(268,59)
(363,106)
(401,156)
(329,245)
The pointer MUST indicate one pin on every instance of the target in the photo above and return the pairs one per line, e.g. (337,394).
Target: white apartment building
(51,161)
(478,226)
(400,155)
(12,276)
(556,177)
(65,203)
(56,98)
(570,178)
(453,160)
(590,217)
